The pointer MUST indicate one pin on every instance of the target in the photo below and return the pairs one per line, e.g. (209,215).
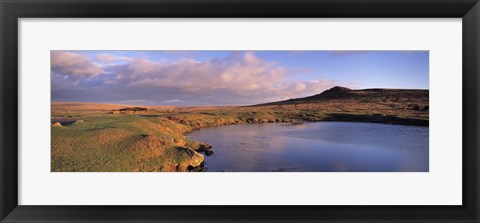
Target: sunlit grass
(156,141)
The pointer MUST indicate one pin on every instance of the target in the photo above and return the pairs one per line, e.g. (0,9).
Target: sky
(192,78)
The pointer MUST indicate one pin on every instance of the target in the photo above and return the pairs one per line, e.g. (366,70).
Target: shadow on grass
(150,116)
(100,128)
(376,118)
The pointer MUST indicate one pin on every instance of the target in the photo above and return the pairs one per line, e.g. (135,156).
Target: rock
(209,152)
(131,110)
(202,147)
(195,159)
(79,121)
(134,109)
(296,122)
(57,124)
(200,168)
(205,146)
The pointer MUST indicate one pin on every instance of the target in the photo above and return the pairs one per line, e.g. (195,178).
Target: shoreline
(377,119)
(157,141)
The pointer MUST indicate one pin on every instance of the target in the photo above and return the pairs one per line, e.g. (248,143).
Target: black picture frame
(12,10)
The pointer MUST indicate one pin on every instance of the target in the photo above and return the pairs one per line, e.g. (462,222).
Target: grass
(156,141)
(121,143)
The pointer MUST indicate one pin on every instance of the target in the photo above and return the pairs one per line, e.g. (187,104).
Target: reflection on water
(316,147)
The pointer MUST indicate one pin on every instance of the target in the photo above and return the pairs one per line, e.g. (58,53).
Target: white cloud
(241,73)
(69,63)
(240,78)
(172,101)
(106,57)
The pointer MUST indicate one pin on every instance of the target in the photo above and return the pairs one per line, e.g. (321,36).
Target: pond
(316,147)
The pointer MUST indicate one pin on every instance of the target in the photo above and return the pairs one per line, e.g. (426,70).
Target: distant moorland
(122,138)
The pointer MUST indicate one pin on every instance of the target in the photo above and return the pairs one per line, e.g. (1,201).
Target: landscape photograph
(239,111)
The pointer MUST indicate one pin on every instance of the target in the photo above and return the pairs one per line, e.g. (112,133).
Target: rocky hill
(372,105)
(412,97)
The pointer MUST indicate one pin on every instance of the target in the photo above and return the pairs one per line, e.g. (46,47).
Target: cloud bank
(240,78)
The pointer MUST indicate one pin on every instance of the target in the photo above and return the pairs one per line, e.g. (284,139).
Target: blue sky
(227,77)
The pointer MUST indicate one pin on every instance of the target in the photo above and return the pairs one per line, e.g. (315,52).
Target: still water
(316,147)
